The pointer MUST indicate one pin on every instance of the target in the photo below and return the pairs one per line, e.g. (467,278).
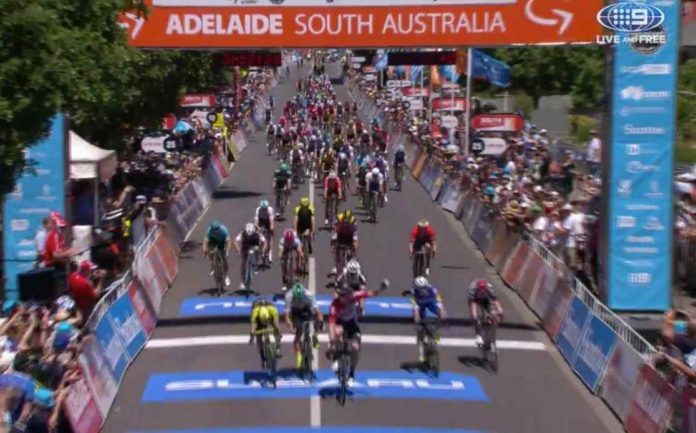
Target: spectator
(573,229)
(594,153)
(568,167)
(55,250)
(40,239)
(82,289)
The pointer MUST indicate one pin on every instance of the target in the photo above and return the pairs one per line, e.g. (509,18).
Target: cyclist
(352,276)
(297,157)
(344,169)
(423,235)
(246,240)
(301,306)
(425,298)
(343,320)
(332,188)
(383,167)
(482,295)
(362,176)
(290,243)
(218,237)
(399,160)
(281,182)
(263,219)
(263,315)
(304,221)
(374,182)
(348,216)
(345,235)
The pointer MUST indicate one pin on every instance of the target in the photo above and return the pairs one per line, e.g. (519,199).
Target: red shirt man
(55,241)
(81,288)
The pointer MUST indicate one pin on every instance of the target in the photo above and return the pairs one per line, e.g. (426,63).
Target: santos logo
(253,385)
(630,129)
(638,93)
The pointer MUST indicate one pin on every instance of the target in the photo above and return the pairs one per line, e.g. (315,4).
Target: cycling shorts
(351,329)
(433,307)
(299,316)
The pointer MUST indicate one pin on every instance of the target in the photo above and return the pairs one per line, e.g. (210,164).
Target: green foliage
(686,104)
(525,104)
(580,127)
(71,56)
(541,71)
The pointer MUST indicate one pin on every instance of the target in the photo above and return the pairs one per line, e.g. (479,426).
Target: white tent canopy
(88,161)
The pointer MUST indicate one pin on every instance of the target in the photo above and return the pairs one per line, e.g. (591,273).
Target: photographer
(85,286)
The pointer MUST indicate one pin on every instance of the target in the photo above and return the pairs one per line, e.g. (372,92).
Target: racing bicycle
(343,354)
(281,201)
(305,237)
(372,206)
(250,267)
(307,350)
(427,334)
(331,208)
(420,261)
(489,349)
(218,271)
(289,267)
(343,254)
(399,175)
(268,352)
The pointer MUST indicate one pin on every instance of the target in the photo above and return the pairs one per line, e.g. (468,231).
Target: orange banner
(378,23)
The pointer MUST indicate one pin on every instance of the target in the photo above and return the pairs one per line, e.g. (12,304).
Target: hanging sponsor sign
(492,146)
(449,104)
(153,144)
(398,83)
(416,92)
(359,23)
(169,121)
(198,101)
(498,122)
(449,122)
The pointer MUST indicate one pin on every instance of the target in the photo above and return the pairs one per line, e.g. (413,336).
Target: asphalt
(533,391)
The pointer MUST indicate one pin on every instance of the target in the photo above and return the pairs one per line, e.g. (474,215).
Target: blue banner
(641,166)
(489,68)
(235,306)
(572,329)
(249,385)
(594,351)
(38,192)
(128,325)
(111,347)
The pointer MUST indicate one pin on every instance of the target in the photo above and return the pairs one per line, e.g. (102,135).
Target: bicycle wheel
(343,369)
(307,355)
(271,359)
(433,358)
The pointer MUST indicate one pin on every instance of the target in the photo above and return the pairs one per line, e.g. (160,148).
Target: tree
(686,103)
(71,56)
(541,71)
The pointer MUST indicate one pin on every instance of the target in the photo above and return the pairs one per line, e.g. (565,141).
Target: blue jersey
(427,299)
(399,157)
(217,236)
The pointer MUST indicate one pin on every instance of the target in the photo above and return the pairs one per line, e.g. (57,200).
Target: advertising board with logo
(652,403)
(596,346)
(448,104)
(642,142)
(497,122)
(359,23)
(198,101)
(572,329)
(38,192)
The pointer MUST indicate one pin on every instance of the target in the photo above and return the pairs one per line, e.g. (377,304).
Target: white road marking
(314,401)
(397,340)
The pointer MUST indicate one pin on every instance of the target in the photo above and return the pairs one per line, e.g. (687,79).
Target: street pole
(467,107)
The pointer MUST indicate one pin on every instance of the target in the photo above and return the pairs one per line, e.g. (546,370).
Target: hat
(63,335)
(554,193)
(543,131)
(567,207)
(141,199)
(8,306)
(87,266)
(525,205)
(43,397)
(538,188)
(57,219)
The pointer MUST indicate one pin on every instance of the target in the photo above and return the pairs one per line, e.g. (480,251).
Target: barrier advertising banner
(81,409)
(642,153)
(141,306)
(558,306)
(111,347)
(572,329)
(530,275)
(96,370)
(511,271)
(595,348)
(651,405)
(548,281)
(620,378)
(38,192)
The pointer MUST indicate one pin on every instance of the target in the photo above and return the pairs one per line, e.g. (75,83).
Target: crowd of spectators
(536,184)
(40,340)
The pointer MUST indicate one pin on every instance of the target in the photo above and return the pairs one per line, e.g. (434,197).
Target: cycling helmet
(423,223)
(249,229)
(264,314)
(284,167)
(304,201)
(353,267)
(348,213)
(420,283)
(298,290)
(215,224)
(264,204)
(401,147)
(332,175)
(481,284)
(375,171)
(289,236)
(340,217)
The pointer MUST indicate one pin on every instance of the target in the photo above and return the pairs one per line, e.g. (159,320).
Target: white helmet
(353,267)
(313,137)
(375,171)
(300,145)
(342,155)
(332,175)
(420,283)
(249,229)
